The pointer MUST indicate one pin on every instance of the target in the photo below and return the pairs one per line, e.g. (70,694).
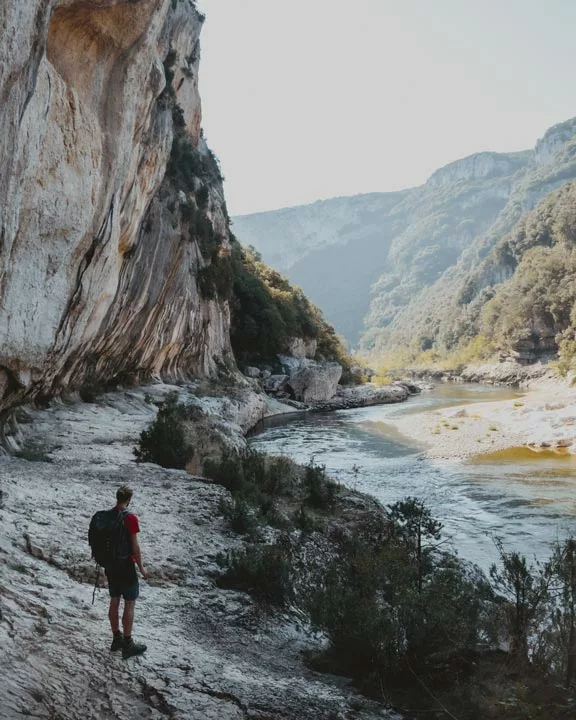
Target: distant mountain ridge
(390,267)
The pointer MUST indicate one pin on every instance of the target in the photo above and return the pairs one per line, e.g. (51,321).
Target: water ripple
(528,505)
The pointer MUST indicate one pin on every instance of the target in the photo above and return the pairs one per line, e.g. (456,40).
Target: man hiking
(117,530)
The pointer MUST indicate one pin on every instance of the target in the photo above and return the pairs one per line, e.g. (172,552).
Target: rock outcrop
(363,396)
(98,268)
(301,347)
(479,166)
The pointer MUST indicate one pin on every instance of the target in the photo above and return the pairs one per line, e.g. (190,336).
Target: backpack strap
(122,514)
(96,583)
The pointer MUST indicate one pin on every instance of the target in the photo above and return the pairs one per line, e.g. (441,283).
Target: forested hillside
(411,269)
(533,314)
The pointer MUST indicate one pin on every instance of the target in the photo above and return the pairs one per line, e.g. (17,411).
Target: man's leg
(118,639)
(113,614)
(128,617)
(130,647)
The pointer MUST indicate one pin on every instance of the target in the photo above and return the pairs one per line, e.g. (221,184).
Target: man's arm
(138,555)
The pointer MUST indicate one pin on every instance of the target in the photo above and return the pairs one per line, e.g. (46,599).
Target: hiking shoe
(117,643)
(131,649)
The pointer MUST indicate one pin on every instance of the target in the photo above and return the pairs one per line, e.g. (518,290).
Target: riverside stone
(316,383)
(362,396)
(275,383)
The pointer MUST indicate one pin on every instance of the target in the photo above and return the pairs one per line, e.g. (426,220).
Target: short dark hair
(124,493)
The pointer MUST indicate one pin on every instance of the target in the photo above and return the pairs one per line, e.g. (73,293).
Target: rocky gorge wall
(98,269)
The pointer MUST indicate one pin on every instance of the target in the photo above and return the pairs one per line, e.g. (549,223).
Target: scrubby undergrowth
(408,620)
(164,442)
(401,614)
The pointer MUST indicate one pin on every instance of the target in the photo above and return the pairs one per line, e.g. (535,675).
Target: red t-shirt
(132,524)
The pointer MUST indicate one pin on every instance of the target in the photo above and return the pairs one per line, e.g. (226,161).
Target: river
(528,501)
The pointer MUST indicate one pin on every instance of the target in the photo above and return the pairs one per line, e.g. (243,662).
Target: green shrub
(262,570)
(256,482)
(227,471)
(271,515)
(525,587)
(383,605)
(251,474)
(320,491)
(306,522)
(240,516)
(163,442)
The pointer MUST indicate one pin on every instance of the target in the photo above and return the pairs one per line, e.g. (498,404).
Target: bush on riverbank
(401,614)
(271,491)
(397,602)
(418,356)
(262,570)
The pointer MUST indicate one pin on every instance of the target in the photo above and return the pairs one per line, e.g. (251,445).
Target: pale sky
(311,99)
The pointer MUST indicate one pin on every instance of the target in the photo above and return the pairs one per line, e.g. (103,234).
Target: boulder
(362,374)
(291,364)
(275,383)
(412,388)
(315,383)
(363,395)
(252,372)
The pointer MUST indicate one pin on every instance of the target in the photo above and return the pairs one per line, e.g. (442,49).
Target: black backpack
(108,537)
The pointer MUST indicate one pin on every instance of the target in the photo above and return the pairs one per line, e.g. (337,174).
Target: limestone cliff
(99,263)
(479,166)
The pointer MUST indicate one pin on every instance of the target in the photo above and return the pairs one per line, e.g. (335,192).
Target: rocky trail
(211,653)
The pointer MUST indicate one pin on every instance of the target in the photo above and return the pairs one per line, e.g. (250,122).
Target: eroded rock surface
(98,274)
(211,654)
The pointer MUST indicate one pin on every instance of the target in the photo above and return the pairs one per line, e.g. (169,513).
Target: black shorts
(123,581)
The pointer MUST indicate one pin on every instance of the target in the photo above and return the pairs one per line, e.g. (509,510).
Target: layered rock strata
(98,269)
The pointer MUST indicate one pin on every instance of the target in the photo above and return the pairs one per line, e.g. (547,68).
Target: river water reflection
(527,500)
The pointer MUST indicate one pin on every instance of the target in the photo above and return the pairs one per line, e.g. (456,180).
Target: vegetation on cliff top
(536,308)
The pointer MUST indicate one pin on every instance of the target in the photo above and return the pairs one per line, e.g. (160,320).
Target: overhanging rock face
(97,269)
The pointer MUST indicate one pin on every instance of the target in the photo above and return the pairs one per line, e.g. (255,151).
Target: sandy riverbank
(541,418)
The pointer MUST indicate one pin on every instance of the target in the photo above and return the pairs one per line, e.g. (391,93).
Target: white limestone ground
(211,654)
